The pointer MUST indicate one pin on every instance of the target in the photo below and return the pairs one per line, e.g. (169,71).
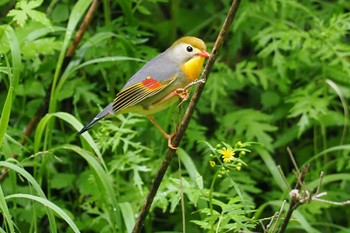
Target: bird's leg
(183,95)
(167,136)
(180,92)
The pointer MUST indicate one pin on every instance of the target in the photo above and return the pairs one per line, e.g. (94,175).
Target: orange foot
(170,145)
(183,94)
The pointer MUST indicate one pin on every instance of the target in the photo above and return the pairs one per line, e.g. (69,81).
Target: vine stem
(188,115)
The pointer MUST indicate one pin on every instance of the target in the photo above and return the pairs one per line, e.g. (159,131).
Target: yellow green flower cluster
(227,156)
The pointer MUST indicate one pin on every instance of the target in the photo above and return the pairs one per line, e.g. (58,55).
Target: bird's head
(186,48)
(189,52)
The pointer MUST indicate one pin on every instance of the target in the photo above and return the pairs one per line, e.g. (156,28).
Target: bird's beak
(204,54)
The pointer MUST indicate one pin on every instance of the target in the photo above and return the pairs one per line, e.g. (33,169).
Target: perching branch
(188,115)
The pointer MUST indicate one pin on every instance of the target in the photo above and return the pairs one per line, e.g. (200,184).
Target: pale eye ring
(189,49)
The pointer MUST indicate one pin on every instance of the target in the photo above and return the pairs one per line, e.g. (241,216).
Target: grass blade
(13,73)
(74,123)
(36,186)
(190,168)
(105,182)
(5,211)
(271,165)
(48,204)
(128,215)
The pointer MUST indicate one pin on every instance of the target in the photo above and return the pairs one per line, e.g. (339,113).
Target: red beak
(204,54)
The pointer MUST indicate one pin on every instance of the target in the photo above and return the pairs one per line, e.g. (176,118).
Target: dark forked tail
(106,111)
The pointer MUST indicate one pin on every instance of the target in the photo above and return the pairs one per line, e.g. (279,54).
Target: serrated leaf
(19,16)
(24,10)
(309,103)
(39,17)
(62,180)
(250,124)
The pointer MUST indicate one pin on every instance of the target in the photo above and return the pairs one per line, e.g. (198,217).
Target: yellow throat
(193,68)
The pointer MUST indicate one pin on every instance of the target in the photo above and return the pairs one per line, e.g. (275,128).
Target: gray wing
(160,68)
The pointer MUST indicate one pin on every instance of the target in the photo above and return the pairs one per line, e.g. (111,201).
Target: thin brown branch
(82,29)
(188,115)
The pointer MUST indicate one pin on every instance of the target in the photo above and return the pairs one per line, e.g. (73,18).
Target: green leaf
(309,103)
(190,168)
(19,16)
(104,180)
(143,10)
(128,215)
(270,99)
(248,70)
(41,46)
(62,180)
(250,124)
(24,10)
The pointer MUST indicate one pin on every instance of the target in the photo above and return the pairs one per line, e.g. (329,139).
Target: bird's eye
(189,49)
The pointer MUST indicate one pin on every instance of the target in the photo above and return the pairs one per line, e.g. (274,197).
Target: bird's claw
(182,93)
(170,145)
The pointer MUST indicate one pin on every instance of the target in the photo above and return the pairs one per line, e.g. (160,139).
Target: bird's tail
(106,111)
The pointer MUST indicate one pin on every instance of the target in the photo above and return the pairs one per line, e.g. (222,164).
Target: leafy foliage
(281,80)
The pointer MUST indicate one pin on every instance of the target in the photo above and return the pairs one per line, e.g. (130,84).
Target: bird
(161,82)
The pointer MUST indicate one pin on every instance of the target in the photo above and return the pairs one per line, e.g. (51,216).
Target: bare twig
(295,197)
(283,177)
(293,161)
(342,203)
(317,195)
(71,50)
(187,117)
(320,183)
(295,203)
(300,195)
(279,214)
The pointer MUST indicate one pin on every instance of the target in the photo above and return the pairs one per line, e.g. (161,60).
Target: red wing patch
(138,92)
(151,83)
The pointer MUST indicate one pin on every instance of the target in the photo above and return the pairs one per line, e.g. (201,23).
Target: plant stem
(294,204)
(211,198)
